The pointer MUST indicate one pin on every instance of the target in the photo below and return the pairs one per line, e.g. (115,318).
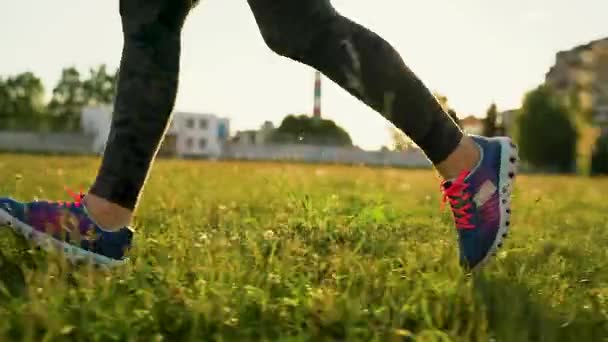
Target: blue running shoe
(67,227)
(481,200)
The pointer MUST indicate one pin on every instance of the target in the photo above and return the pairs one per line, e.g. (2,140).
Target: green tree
(546,134)
(69,97)
(304,129)
(5,105)
(100,87)
(21,101)
(72,93)
(599,158)
(489,123)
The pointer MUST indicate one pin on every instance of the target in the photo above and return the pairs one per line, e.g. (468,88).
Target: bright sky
(473,51)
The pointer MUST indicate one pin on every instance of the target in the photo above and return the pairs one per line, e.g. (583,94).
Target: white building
(254,137)
(472,125)
(188,135)
(196,135)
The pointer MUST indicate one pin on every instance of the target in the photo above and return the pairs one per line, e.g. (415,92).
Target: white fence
(320,154)
(46,142)
(78,143)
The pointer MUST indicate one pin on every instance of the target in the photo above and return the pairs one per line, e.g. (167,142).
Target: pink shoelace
(455,194)
(77,199)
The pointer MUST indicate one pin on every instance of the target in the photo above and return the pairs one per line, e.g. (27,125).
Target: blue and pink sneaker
(66,226)
(481,200)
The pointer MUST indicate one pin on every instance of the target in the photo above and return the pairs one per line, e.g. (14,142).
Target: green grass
(252,251)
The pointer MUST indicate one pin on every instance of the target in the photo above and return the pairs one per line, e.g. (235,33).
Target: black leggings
(309,31)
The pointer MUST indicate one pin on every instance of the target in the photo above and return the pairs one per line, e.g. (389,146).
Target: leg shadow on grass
(516,312)
(12,280)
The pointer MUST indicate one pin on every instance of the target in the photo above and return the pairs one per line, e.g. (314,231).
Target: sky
(473,51)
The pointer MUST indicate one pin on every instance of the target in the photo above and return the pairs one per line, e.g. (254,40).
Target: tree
(21,101)
(100,87)
(304,129)
(599,158)
(69,97)
(546,134)
(72,94)
(489,123)
(22,104)
(6,105)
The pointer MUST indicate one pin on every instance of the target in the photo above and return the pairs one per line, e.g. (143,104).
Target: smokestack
(317,101)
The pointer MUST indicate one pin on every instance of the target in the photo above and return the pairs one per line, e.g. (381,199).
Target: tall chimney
(317,100)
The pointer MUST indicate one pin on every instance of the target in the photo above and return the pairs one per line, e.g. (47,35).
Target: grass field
(249,251)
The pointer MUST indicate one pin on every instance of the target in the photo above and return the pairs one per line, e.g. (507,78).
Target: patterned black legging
(309,31)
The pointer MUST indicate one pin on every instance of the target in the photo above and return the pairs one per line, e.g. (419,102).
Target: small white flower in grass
(203,237)
(269,235)
(232,321)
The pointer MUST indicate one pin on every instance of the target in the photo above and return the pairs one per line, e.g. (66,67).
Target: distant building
(505,122)
(472,125)
(582,72)
(188,135)
(317,96)
(195,135)
(254,137)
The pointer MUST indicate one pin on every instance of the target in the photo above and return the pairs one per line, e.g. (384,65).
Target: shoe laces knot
(455,193)
(77,199)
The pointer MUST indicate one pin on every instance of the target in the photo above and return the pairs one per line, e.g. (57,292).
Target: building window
(222,131)
(202,143)
(189,144)
(190,123)
(202,124)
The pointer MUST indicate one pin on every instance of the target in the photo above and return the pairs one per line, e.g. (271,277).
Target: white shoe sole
(73,253)
(508,172)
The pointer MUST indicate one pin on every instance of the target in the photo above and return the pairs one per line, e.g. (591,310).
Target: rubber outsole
(509,165)
(48,243)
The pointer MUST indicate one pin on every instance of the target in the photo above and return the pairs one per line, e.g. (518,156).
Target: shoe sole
(509,164)
(73,253)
